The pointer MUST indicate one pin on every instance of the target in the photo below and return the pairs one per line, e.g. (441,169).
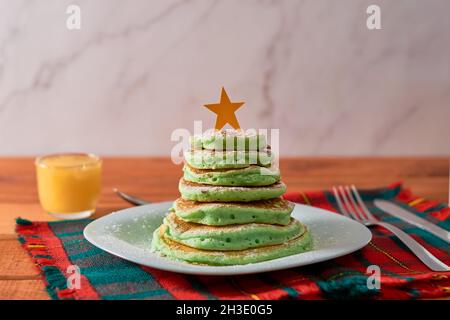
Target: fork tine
(342,209)
(355,214)
(361,203)
(357,208)
(347,204)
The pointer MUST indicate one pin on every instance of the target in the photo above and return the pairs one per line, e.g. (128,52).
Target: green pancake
(232,237)
(207,193)
(212,159)
(229,140)
(273,211)
(177,251)
(244,177)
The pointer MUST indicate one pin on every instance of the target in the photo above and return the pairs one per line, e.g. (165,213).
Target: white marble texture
(138,69)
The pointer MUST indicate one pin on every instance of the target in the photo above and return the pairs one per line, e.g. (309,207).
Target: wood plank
(156,179)
(15,263)
(23,290)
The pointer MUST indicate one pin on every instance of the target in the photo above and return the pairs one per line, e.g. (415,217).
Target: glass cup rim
(39,161)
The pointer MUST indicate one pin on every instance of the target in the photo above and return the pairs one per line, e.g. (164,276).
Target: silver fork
(131,199)
(351,205)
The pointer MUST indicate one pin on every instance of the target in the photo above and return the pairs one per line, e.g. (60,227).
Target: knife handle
(423,254)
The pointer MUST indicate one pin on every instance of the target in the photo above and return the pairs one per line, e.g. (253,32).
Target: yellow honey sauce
(69,185)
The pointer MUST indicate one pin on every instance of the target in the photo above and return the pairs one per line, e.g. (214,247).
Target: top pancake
(229,140)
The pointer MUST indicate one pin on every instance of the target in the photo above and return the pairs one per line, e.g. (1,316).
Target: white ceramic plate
(128,234)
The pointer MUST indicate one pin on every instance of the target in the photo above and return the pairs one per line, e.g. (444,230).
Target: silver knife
(398,212)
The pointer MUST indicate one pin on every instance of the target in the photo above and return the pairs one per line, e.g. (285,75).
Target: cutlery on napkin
(131,199)
(409,217)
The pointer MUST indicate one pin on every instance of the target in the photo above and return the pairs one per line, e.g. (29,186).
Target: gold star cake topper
(225,111)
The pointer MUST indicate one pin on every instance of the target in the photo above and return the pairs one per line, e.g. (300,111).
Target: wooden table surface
(156,179)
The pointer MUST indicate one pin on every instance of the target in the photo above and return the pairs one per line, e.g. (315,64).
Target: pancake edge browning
(230,237)
(227,159)
(208,193)
(180,252)
(272,211)
(250,176)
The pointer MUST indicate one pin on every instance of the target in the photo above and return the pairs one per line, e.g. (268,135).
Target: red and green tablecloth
(54,246)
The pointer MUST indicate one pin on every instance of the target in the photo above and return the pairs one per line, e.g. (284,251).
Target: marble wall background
(138,69)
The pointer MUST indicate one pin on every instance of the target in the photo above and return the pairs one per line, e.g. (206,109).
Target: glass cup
(69,184)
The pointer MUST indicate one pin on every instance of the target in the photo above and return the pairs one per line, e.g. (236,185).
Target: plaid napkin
(54,246)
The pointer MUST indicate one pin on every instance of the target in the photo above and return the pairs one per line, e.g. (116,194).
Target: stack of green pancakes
(230,211)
